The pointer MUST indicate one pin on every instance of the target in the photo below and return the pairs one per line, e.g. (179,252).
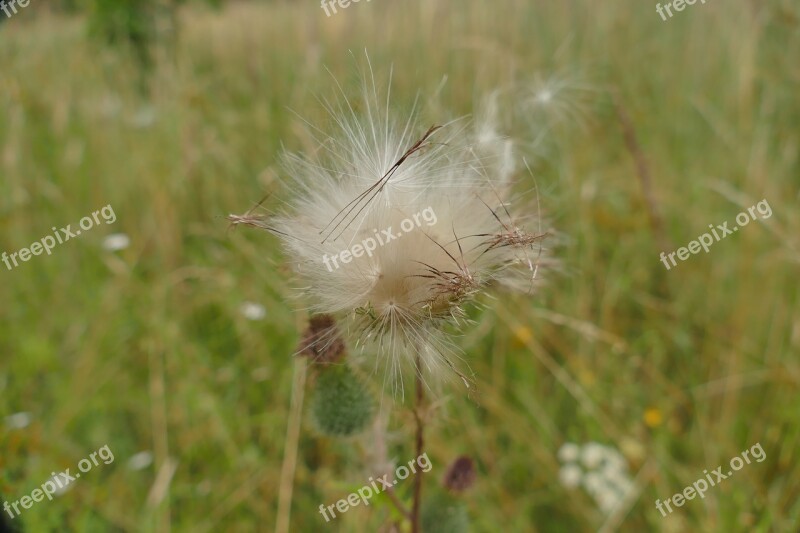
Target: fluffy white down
(399,297)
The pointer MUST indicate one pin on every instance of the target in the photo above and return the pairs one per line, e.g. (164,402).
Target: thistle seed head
(390,227)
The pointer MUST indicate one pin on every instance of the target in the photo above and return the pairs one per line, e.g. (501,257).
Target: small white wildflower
(593,455)
(140,461)
(116,242)
(607,500)
(619,480)
(569,452)
(570,475)
(607,480)
(370,181)
(144,117)
(18,420)
(594,483)
(614,462)
(253,311)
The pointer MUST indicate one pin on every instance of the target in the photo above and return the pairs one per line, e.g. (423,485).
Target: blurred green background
(176,114)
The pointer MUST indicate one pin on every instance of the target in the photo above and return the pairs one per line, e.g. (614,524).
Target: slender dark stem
(643,172)
(397,503)
(419,444)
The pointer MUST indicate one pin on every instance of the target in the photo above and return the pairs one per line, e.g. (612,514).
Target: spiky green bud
(341,405)
(444,514)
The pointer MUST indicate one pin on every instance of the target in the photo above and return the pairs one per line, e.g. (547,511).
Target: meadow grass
(145,349)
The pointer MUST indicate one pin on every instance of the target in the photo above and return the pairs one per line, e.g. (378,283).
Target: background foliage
(146,349)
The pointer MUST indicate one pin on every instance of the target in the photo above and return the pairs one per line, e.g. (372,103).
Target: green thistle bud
(444,514)
(342,405)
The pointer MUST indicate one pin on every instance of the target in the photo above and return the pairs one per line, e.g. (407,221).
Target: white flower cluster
(601,470)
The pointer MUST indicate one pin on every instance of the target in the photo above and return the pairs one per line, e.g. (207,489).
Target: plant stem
(379,458)
(419,444)
(397,503)
(290,447)
(643,172)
